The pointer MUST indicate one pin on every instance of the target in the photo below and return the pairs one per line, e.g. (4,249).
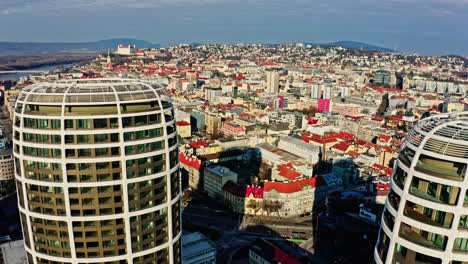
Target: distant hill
(353,45)
(7,48)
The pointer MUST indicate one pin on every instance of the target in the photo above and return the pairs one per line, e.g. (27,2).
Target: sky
(411,26)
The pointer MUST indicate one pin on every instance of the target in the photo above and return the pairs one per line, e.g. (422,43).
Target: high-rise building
(315,91)
(7,176)
(212,94)
(345,91)
(212,123)
(196,248)
(426,213)
(97,172)
(272,83)
(327,92)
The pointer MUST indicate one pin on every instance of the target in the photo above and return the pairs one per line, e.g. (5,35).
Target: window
(441,168)
(139,107)
(389,219)
(100,123)
(406,156)
(435,192)
(428,215)
(394,199)
(463,224)
(83,124)
(382,245)
(399,177)
(422,237)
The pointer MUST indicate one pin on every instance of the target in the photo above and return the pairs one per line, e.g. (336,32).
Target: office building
(345,109)
(426,214)
(327,92)
(7,182)
(13,252)
(97,172)
(271,252)
(316,91)
(300,148)
(212,123)
(6,160)
(212,94)
(215,178)
(345,91)
(272,83)
(197,120)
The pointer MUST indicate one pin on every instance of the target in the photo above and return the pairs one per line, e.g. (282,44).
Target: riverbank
(17,75)
(30,61)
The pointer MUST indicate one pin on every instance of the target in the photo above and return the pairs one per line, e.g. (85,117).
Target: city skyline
(425,27)
(234,154)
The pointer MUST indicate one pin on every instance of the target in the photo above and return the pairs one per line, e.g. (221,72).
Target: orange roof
(353,153)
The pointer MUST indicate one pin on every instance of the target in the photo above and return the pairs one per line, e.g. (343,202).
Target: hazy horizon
(411,26)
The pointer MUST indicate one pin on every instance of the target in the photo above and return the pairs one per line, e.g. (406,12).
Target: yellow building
(213,124)
(184,129)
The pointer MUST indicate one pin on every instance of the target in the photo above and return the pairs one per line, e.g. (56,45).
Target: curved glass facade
(426,218)
(97,172)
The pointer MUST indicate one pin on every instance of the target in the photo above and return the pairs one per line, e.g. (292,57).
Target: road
(231,228)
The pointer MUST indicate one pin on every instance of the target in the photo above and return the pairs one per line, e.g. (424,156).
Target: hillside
(353,45)
(8,48)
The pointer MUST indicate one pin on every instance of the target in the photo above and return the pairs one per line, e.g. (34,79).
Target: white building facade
(97,172)
(426,213)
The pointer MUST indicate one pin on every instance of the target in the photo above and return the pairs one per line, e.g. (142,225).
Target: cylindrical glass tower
(97,172)
(426,213)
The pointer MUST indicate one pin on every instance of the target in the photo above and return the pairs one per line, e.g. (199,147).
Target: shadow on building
(347,231)
(236,218)
(10,226)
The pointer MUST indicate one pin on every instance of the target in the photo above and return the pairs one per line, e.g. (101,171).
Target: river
(16,76)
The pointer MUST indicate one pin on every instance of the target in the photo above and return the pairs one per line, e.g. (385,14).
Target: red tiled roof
(296,186)
(345,135)
(239,77)
(353,153)
(387,149)
(246,115)
(190,161)
(287,171)
(242,190)
(198,144)
(311,121)
(381,89)
(381,169)
(385,138)
(182,123)
(343,146)
(322,139)
(397,117)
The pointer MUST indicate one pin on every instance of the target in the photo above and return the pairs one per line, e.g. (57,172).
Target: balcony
(412,213)
(438,242)
(406,156)
(448,170)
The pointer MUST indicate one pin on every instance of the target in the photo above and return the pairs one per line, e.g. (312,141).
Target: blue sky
(422,26)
